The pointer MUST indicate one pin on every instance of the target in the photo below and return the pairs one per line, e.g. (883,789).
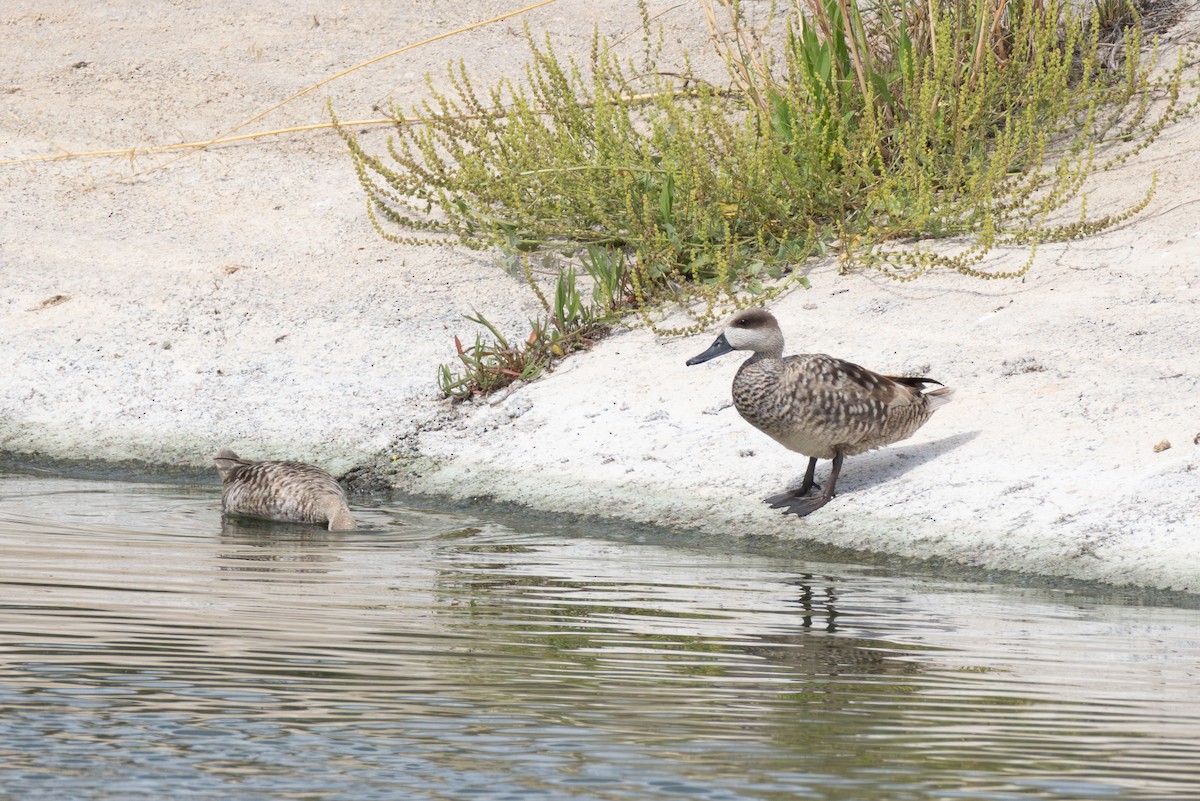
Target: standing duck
(284,491)
(814,404)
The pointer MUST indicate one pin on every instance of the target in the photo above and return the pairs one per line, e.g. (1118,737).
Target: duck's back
(816,404)
(285,491)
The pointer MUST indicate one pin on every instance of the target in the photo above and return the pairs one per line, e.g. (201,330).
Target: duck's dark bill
(718,348)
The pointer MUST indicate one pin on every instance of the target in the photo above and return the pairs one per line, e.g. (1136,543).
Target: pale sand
(240,297)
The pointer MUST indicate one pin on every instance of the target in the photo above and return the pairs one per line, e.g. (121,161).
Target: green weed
(571,323)
(905,136)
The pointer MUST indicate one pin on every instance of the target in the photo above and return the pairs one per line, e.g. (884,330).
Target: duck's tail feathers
(939,397)
(916,382)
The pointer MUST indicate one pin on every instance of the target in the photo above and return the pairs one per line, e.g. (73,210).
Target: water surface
(149,649)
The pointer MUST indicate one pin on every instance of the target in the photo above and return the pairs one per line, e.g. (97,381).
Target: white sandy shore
(240,297)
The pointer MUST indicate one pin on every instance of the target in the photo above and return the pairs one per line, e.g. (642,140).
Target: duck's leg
(784,498)
(808,482)
(795,505)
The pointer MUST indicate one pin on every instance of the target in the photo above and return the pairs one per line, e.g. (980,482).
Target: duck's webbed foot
(806,486)
(799,507)
(798,502)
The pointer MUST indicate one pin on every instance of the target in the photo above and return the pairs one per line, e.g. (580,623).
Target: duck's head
(750,329)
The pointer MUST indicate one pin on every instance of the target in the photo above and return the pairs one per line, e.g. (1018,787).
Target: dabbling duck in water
(814,404)
(282,491)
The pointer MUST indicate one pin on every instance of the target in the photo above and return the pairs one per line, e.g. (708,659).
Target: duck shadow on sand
(887,464)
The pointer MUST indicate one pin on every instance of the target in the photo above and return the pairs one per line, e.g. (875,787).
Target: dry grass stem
(225,138)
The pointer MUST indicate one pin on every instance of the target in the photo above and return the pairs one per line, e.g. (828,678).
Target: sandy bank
(240,297)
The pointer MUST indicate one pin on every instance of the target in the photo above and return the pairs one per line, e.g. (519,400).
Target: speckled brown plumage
(822,407)
(283,491)
(817,405)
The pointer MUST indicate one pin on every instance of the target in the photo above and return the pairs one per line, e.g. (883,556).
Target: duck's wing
(832,382)
(858,408)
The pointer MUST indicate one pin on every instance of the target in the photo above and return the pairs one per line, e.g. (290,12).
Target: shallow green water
(150,650)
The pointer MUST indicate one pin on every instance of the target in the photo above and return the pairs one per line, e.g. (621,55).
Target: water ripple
(151,648)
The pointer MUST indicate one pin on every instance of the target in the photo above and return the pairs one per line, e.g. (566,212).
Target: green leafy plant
(611,288)
(558,161)
(905,136)
(980,120)
(570,323)
(488,365)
